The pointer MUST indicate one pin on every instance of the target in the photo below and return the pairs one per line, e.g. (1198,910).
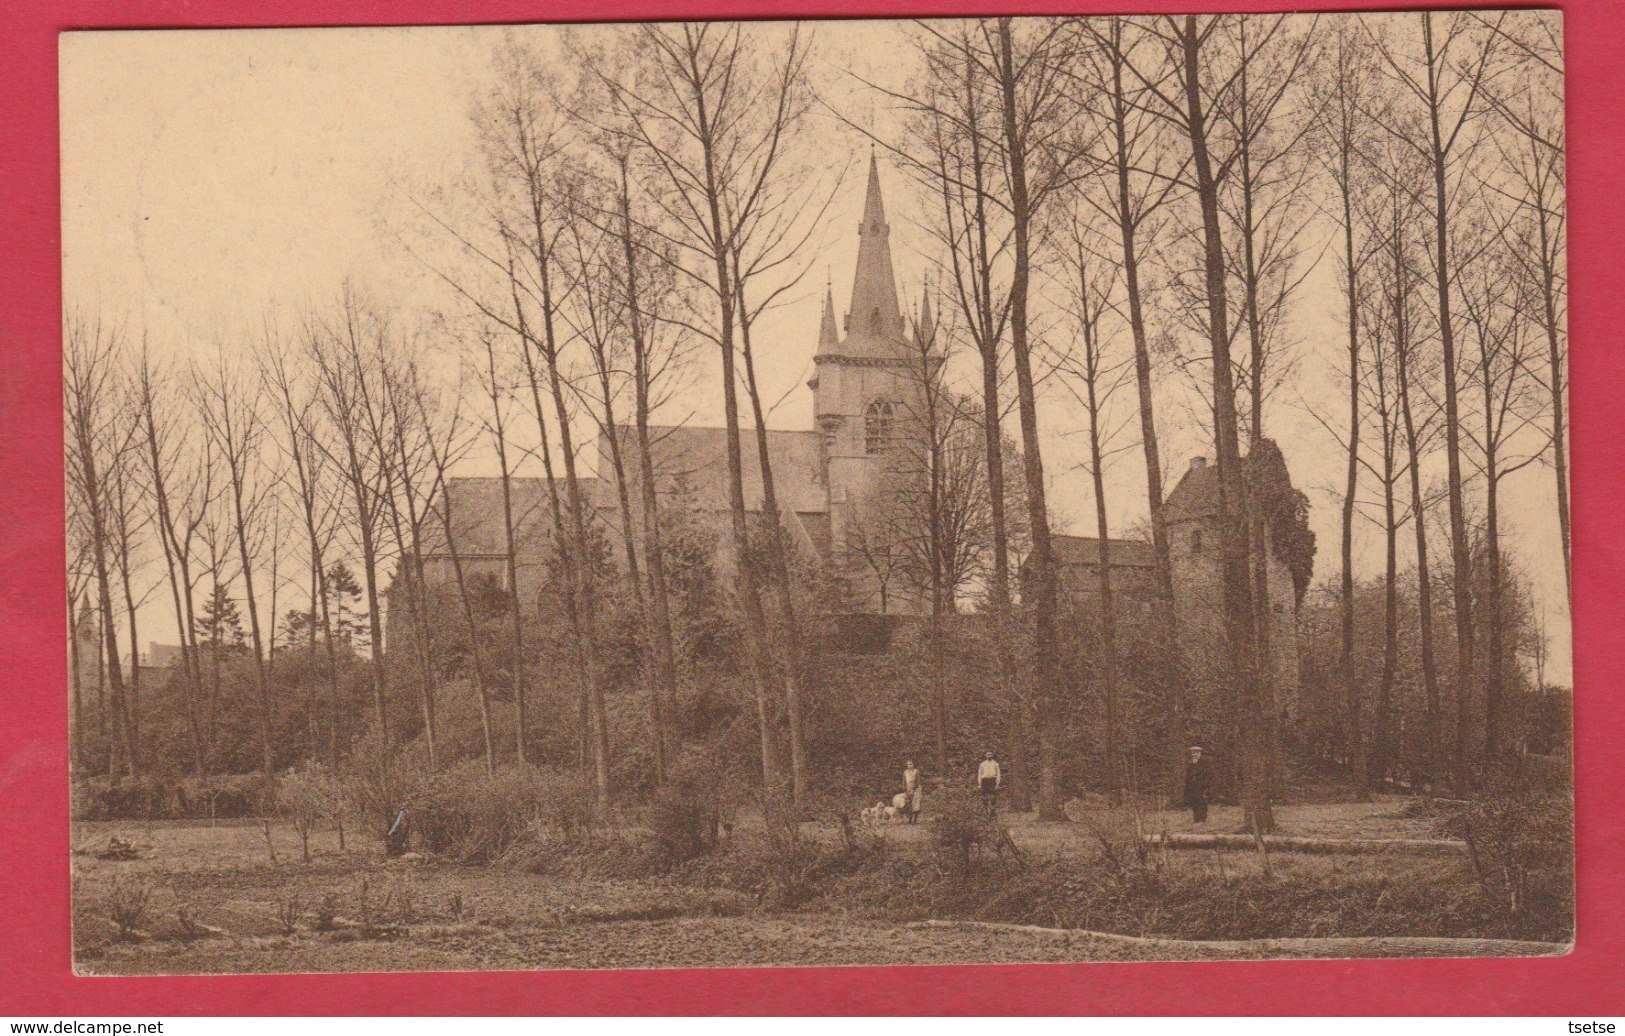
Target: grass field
(205,898)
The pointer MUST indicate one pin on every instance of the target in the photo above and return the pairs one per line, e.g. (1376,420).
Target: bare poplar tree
(181,487)
(631,316)
(1499,325)
(228,404)
(1187,99)
(1041,159)
(294,401)
(650,289)
(1344,94)
(497,393)
(1094,375)
(951,148)
(714,118)
(92,404)
(1377,393)
(1413,375)
(399,443)
(523,140)
(344,350)
(1444,81)
(128,510)
(446,442)
(1530,149)
(1139,173)
(599,316)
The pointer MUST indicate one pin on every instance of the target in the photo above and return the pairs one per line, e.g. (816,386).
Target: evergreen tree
(220,625)
(344,601)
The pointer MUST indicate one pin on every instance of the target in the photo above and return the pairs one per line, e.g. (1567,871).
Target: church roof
(690,462)
(1085,550)
(476,513)
(694,462)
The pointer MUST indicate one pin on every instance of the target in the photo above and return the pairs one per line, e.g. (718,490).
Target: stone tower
(1196,566)
(863,383)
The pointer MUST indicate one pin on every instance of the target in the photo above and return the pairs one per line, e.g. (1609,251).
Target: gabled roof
(694,461)
(476,513)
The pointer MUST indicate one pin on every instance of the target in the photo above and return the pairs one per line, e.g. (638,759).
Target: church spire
(875,314)
(926,328)
(829,333)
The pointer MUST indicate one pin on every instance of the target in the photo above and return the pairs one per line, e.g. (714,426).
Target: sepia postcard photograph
(810,493)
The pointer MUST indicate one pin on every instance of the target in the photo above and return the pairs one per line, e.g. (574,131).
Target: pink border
(35,976)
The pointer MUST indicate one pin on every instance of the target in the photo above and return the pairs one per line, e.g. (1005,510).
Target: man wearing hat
(1198,781)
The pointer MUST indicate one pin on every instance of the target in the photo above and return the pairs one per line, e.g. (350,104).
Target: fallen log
(1331,946)
(1300,844)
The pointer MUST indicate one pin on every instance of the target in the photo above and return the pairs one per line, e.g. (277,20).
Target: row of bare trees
(223,473)
(1196,172)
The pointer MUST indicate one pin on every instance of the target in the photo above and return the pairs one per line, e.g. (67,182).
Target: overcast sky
(211,176)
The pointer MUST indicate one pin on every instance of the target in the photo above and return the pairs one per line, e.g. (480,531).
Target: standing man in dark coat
(1198,783)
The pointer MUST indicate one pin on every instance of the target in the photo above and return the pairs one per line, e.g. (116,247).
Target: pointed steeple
(829,333)
(875,316)
(926,328)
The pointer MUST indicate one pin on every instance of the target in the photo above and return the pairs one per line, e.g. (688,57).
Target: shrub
(473,816)
(287,911)
(1119,831)
(782,868)
(683,826)
(690,814)
(565,805)
(306,796)
(224,796)
(127,907)
(1520,840)
(377,784)
(326,911)
(963,831)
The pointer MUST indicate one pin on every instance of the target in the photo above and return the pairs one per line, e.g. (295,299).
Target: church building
(866,378)
(867,381)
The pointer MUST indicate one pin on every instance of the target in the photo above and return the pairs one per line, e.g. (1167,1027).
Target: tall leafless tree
(1343,93)
(228,402)
(294,400)
(1187,99)
(344,348)
(715,115)
(92,408)
(1443,77)
(1094,373)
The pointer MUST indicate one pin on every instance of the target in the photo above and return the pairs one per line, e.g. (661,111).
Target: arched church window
(877,426)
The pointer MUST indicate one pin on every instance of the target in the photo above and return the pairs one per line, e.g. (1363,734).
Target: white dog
(880,813)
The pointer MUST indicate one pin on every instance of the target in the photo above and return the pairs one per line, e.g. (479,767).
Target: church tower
(862,382)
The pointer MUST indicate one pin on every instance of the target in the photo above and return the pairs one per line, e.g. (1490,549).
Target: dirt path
(685,942)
